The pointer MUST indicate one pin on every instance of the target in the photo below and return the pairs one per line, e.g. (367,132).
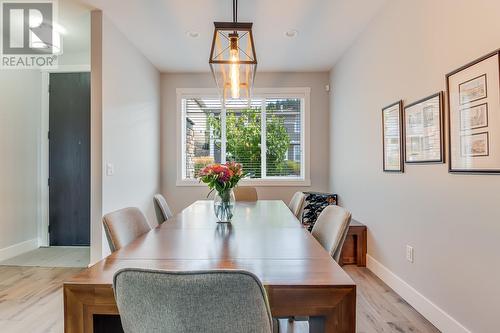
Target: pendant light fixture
(233,60)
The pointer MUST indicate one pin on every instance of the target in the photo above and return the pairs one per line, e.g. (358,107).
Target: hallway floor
(55,256)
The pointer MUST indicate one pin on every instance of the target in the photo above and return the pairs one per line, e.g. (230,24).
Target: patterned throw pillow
(314,204)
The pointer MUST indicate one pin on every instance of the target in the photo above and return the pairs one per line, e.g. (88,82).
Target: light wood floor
(31,300)
(380,309)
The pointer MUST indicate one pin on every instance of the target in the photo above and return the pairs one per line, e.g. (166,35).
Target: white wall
(181,197)
(453,221)
(74,17)
(130,125)
(96,166)
(20,97)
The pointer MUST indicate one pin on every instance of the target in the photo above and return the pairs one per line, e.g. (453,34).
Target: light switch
(110,169)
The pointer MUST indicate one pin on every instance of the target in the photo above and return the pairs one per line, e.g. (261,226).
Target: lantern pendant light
(233,60)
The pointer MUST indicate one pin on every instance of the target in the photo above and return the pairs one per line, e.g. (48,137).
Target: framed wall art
(474,116)
(423,130)
(392,119)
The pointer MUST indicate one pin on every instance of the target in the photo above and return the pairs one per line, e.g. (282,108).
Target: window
(267,135)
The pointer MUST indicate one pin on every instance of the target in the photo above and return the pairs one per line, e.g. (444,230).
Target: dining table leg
(342,319)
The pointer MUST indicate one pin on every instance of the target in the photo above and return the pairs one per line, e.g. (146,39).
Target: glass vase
(224,205)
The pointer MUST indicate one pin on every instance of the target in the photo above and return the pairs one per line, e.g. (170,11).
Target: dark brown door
(69,159)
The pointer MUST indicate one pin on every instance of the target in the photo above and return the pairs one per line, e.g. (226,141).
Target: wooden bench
(354,249)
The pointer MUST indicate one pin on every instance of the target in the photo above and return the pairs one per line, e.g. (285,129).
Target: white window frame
(264,93)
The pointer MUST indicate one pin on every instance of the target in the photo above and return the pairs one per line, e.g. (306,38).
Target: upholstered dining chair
(162,209)
(123,226)
(192,302)
(296,203)
(330,229)
(245,193)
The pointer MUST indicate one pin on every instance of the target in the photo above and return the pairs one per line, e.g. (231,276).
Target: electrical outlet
(409,253)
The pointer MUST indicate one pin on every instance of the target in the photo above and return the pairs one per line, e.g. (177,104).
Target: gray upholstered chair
(123,226)
(296,203)
(245,193)
(162,209)
(331,229)
(191,302)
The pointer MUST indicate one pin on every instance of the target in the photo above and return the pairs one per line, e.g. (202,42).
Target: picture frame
(473,90)
(392,137)
(475,145)
(424,130)
(474,117)
(473,96)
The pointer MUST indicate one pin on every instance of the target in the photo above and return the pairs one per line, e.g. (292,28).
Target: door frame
(43,209)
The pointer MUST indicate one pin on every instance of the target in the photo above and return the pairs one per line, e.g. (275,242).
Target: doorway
(69,159)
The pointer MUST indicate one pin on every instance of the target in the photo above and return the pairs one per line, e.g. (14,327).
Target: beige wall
(453,221)
(130,126)
(180,197)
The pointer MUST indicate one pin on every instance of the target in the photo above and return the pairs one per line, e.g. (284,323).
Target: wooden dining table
(264,237)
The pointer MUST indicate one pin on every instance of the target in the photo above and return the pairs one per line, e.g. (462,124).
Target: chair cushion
(245,193)
(123,226)
(331,227)
(163,212)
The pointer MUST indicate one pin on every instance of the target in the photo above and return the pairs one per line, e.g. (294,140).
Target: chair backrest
(123,226)
(162,209)
(296,203)
(245,193)
(192,302)
(331,229)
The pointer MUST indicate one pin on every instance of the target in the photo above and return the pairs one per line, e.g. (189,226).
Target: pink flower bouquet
(222,178)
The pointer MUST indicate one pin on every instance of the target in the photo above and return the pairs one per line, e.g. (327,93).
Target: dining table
(264,237)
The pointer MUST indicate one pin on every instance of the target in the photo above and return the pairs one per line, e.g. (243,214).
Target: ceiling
(159,29)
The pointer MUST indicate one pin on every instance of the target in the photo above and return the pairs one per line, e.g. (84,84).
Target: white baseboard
(17,249)
(439,318)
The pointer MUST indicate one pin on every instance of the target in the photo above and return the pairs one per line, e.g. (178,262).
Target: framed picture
(424,130)
(474,116)
(473,90)
(392,119)
(476,144)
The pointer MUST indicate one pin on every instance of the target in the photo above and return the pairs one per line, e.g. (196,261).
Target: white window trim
(294,92)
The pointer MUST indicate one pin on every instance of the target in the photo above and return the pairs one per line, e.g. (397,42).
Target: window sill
(253,182)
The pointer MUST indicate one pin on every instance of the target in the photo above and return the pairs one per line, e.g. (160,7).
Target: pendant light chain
(235,11)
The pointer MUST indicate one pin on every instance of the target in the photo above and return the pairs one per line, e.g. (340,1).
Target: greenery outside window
(268,135)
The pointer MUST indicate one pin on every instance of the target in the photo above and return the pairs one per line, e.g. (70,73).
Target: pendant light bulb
(234,72)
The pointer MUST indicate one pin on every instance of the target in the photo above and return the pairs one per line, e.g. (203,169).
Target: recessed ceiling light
(292,33)
(193,34)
